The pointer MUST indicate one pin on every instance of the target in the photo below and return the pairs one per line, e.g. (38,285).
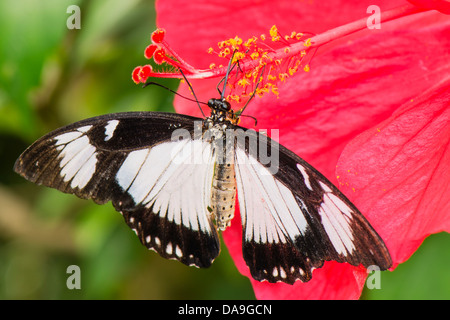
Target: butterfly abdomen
(223,194)
(223,191)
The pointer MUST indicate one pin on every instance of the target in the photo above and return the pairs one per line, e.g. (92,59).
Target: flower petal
(400,172)
(247,18)
(440,5)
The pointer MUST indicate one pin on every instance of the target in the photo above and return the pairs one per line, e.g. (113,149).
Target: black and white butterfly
(293,219)
(174,178)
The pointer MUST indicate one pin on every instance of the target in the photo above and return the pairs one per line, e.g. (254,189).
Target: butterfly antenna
(229,70)
(173,91)
(193,93)
(220,82)
(256,120)
(239,113)
(225,79)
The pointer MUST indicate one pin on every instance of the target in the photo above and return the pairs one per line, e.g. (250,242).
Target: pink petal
(213,21)
(440,5)
(400,172)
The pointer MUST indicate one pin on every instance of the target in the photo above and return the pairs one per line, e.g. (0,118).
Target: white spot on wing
(305,176)
(275,272)
(269,210)
(84,129)
(169,248)
(130,168)
(336,219)
(84,175)
(67,137)
(110,128)
(77,158)
(179,190)
(325,187)
(282,273)
(178,252)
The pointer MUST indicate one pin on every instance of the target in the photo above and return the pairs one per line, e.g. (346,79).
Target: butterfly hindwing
(294,219)
(130,159)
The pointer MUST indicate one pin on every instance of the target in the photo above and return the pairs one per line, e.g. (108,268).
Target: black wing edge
(173,241)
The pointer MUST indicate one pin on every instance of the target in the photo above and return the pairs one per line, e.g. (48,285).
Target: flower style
(372,114)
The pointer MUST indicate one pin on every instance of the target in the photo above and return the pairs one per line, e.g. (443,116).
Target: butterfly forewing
(294,219)
(131,160)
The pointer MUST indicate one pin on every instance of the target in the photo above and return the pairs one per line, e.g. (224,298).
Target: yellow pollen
(262,91)
(292,71)
(234,97)
(243,82)
(250,41)
(232,42)
(282,77)
(274,33)
(256,56)
(275,90)
(238,56)
(265,58)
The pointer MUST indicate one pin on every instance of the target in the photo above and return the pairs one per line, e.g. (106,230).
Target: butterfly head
(221,111)
(219,105)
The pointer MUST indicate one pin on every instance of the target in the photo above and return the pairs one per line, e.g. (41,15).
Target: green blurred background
(51,76)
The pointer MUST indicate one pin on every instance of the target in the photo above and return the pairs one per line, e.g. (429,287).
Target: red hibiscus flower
(372,114)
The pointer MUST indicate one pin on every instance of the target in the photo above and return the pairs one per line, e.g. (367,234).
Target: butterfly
(175,179)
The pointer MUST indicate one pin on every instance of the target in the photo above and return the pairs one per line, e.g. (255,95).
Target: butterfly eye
(226,105)
(212,103)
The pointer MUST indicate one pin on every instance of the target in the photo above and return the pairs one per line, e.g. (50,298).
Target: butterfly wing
(293,218)
(159,185)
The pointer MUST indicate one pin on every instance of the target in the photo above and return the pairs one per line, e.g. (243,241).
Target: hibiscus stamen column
(262,61)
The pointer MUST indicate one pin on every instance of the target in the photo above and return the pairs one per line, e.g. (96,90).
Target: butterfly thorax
(219,129)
